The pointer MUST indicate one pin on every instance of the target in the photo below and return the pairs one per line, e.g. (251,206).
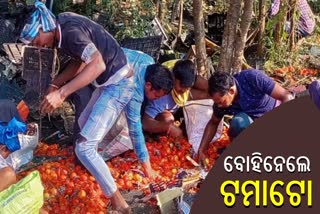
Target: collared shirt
(254,90)
(139,61)
(81,38)
(306,20)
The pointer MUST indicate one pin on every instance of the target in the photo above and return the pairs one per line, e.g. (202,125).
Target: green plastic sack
(25,197)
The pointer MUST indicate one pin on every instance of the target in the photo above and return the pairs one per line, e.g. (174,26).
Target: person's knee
(7,177)
(165,116)
(314,91)
(239,123)
(314,87)
(81,146)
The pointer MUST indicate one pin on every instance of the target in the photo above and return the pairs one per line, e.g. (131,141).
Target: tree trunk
(235,36)
(229,36)
(262,27)
(199,31)
(162,10)
(293,24)
(242,36)
(278,32)
(175,10)
(282,21)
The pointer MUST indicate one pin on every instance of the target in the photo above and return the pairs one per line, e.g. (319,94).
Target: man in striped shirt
(306,23)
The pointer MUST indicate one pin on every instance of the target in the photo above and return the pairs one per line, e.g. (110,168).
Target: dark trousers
(8,110)
(80,99)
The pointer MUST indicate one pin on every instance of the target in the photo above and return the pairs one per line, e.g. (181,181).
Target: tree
(262,26)
(282,18)
(201,55)
(235,35)
(175,10)
(293,23)
(162,9)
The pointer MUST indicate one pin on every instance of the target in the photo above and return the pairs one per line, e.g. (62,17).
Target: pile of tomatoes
(302,72)
(69,188)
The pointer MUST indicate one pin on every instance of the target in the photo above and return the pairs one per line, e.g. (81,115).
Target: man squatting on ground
(246,96)
(158,116)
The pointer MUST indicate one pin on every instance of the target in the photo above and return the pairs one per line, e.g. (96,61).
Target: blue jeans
(239,123)
(95,121)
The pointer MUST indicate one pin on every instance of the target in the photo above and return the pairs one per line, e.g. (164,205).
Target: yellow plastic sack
(25,197)
(170,64)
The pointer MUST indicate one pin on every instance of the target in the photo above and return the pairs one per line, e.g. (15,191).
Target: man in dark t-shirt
(97,60)
(246,96)
(80,37)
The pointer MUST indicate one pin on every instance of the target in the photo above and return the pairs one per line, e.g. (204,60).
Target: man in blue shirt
(247,96)
(158,114)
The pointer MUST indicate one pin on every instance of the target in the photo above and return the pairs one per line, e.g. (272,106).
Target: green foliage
(220,6)
(134,21)
(130,18)
(315,5)
(137,28)
(67,6)
(279,55)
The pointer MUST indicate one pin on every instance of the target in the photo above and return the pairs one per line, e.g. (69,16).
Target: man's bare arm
(149,124)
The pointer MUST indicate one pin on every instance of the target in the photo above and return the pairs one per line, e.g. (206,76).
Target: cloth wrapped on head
(43,18)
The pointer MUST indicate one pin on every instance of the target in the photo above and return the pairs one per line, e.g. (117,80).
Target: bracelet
(53,85)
